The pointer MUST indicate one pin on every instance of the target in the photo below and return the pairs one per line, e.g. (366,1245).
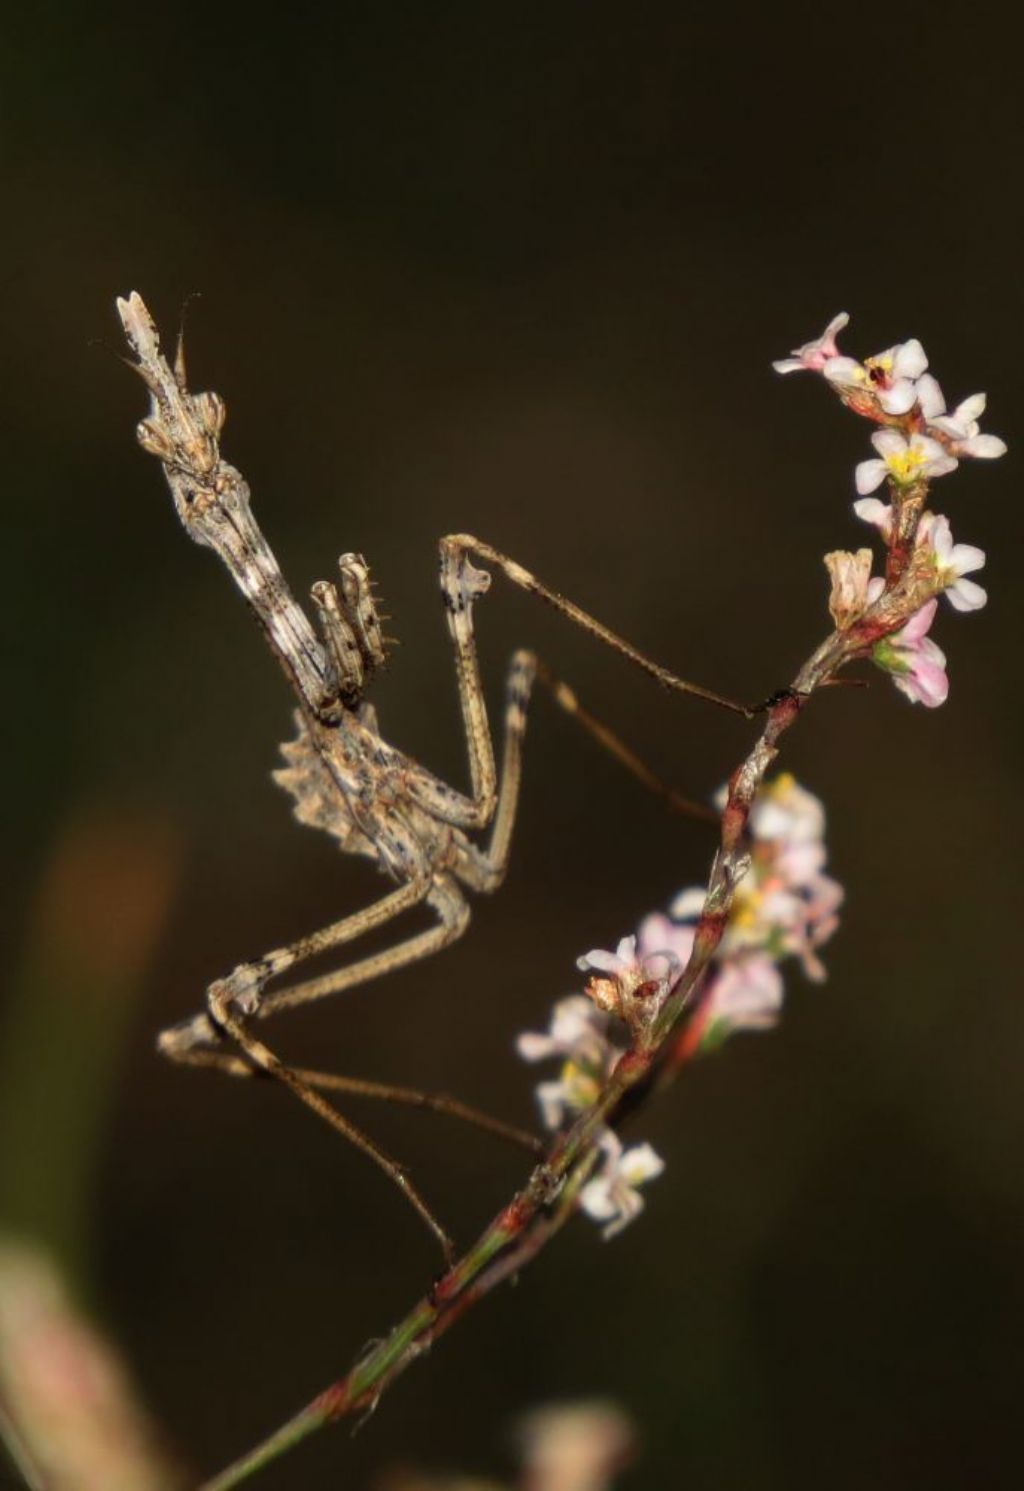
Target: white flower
(873,510)
(689,903)
(846,372)
(612,1196)
(930,398)
(904,461)
(952,562)
(622,963)
(792,820)
(577,1029)
(961,427)
(578,1036)
(891,376)
(895,372)
(814,355)
(563,1096)
(785,905)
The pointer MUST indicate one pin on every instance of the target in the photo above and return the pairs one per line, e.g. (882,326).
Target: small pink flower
(823,898)
(813,356)
(784,906)
(952,562)
(612,1196)
(660,937)
(903,461)
(916,663)
(745,994)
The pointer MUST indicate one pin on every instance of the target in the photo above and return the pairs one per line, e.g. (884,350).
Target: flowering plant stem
(549,1197)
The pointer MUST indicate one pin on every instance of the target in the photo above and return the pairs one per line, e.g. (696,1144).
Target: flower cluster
(581,1039)
(894,388)
(920,440)
(785,906)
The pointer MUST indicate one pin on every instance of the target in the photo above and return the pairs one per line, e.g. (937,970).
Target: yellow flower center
(581,1087)
(746,909)
(905,465)
(781,787)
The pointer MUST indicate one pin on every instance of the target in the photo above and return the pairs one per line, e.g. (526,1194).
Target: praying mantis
(344,777)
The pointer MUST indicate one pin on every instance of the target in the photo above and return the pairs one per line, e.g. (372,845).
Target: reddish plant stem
(539,1210)
(907,505)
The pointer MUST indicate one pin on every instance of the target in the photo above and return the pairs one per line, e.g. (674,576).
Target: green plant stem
(550,1194)
(498,1253)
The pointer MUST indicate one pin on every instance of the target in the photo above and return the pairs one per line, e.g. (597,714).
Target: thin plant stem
(497,1255)
(525,1226)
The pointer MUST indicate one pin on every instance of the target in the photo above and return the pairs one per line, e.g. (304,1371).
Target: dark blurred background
(519,270)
